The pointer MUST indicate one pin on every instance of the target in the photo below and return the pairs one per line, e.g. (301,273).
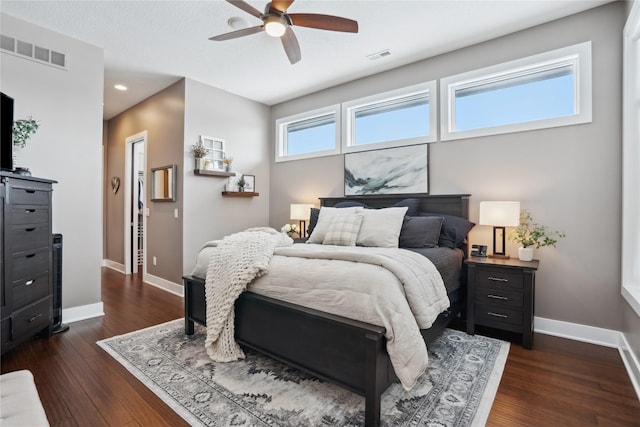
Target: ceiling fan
(277,23)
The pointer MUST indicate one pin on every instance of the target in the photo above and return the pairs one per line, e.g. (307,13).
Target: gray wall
(568,177)
(162,116)
(244,125)
(67,147)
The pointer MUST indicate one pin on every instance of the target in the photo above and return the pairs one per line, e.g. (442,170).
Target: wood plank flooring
(558,383)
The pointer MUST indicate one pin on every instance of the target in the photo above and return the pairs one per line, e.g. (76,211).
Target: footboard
(346,352)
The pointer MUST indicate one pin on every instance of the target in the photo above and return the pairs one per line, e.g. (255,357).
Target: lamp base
(499,256)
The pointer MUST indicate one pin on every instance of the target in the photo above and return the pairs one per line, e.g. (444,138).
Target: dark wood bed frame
(343,351)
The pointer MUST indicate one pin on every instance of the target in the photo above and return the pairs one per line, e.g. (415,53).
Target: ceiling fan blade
(246,7)
(281,5)
(235,34)
(291,46)
(324,22)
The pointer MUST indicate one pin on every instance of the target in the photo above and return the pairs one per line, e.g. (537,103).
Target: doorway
(135,203)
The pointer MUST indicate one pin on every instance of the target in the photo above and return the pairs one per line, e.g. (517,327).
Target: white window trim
(281,134)
(631,161)
(579,54)
(349,110)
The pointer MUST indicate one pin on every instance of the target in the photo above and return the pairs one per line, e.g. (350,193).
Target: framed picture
(232,184)
(215,152)
(401,170)
(250,183)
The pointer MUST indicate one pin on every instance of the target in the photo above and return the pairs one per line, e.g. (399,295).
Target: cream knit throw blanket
(237,260)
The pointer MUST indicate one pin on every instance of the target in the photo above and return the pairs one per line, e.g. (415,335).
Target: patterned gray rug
(457,390)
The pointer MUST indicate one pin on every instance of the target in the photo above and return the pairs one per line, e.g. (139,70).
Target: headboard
(452,204)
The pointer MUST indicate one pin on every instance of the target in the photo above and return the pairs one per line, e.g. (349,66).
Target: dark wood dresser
(26,252)
(501,295)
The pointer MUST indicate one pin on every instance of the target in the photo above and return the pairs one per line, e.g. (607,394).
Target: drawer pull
(498,279)
(29,282)
(497,297)
(503,316)
(30,256)
(29,211)
(29,190)
(34,318)
(29,230)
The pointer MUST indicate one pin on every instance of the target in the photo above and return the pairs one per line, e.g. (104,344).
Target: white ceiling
(148,45)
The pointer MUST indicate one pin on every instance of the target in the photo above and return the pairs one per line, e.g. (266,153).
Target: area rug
(457,390)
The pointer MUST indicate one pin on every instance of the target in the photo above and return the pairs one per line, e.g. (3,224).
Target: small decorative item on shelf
(227,163)
(22,130)
(241,183)
(290,229)
(199,152)
(529,234)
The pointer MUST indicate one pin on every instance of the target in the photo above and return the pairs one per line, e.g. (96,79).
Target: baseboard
(577,332)
(593,335)
(631,363)
(83,312)
(163,284)
(113,265)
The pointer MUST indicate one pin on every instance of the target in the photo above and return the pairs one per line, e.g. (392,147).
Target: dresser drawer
(30,194)
(487,278)
(499,317)
(505,298)
(27,291)
(34,214)
(29,265)
(31,319)
(29,237)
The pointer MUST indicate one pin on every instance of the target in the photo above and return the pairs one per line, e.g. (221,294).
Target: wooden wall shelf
(239,194)
(219,174)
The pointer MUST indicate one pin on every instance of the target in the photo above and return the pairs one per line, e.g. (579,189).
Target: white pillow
(381,227)
(343,230)
(317,236)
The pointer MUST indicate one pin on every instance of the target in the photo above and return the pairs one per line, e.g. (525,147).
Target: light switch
(175,213)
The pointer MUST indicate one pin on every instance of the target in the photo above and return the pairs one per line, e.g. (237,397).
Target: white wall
(568,177)
(67,147)
(245,126)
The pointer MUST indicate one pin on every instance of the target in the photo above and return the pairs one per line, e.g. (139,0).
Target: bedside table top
(509,262)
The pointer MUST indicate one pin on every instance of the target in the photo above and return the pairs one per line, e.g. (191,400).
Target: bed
(347,352)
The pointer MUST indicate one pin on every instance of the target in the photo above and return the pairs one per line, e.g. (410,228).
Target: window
(215,152)
(631,161)
(311,134)
(540,91)
(401,117)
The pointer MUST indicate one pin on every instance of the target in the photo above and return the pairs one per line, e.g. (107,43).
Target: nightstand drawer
(505,298)
(31,319)
(488,278)
(30,214)
(499,317)
(30,194)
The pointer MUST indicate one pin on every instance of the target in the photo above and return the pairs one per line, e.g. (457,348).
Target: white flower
(286,228)
(290,229)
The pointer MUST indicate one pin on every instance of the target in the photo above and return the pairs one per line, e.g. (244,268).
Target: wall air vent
(27,50)
(379,55)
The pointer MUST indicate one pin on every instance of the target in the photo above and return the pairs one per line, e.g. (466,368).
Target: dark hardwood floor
(558,383)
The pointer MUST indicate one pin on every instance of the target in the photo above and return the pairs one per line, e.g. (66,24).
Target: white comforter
(395,288)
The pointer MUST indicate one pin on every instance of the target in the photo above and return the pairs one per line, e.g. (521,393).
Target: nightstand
(501,295)
(300,239)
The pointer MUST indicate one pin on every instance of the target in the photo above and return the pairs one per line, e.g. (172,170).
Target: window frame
(578,55)
(350,108)
(283,123)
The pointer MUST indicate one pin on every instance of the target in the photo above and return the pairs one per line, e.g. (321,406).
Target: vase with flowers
(199,153)
(530,234)
(227,163)
(290,230)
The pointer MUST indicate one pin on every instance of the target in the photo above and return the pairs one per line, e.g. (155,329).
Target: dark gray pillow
(454,230)
(420,231)
(313,220)
(413,206)
(350,204)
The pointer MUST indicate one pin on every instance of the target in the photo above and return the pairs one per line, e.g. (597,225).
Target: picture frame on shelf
(250,183)
(232,184)
(215,152)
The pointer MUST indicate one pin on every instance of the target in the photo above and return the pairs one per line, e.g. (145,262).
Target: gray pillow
(420,231)
(454,230)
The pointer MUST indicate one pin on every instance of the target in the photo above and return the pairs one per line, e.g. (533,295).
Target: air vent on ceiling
(379,55)
(27,50)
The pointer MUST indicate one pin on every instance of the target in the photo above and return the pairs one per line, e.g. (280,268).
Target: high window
(311,134)
(540,91)
(400,117)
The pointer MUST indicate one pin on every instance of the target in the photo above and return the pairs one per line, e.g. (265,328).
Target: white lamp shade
(300,211)
(503,214)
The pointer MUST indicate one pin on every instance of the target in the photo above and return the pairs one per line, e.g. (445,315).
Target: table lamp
(499,215)
(301,212)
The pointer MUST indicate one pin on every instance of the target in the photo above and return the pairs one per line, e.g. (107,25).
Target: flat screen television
(6,134)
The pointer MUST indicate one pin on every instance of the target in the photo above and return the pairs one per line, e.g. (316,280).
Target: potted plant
(529,235)
(227,163)
(241,183)
(199,152)
(22,131)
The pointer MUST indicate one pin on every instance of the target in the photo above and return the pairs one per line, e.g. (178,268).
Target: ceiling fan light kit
(276,22)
